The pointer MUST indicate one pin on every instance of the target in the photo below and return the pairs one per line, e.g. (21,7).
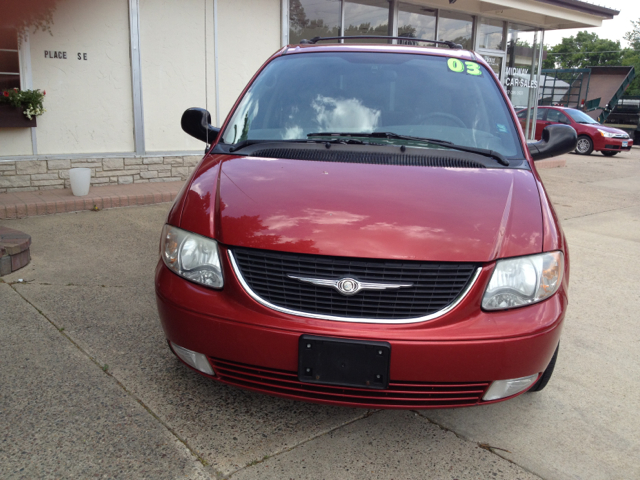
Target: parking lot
(89,387)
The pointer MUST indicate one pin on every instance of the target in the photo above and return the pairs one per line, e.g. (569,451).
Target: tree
(632,57)
(584,50)
(633,37)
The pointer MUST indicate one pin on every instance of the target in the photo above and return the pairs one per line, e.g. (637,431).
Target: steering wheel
(443,115)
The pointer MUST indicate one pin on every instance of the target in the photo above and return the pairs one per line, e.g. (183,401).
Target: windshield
(580,117)
(412,95)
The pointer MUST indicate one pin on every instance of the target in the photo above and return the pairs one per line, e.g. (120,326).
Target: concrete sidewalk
(90,389)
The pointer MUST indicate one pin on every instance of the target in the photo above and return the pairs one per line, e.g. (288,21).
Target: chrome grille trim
(425,318)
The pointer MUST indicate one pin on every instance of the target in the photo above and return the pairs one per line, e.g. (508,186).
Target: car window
(557,116)
(581,117)
(540,115)
(366,92)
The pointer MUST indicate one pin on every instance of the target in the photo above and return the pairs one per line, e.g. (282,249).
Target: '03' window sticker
(460,66)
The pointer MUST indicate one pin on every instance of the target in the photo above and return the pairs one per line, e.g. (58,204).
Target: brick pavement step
(14,250)
(47,202)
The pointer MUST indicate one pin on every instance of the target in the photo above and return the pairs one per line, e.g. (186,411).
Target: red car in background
(591,134)
(368,229)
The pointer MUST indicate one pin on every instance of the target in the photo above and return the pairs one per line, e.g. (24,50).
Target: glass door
(490,43)
(496,61)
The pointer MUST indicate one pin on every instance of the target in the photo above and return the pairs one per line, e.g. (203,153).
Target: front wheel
(609,153)
(584,145)
(546,375)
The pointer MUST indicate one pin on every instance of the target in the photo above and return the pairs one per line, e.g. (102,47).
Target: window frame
(17,52)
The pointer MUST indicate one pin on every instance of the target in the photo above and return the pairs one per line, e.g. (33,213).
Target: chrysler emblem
(349,286)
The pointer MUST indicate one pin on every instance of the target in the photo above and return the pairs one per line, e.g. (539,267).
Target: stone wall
(31,175)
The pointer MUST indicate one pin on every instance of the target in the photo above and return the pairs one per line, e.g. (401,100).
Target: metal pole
(535,92)
(527,125)
(215,60)
(531,120)
(392,28)
(284,40)
(342,30)
(136,78)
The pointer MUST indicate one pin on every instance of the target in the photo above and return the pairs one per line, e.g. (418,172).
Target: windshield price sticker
(459,66)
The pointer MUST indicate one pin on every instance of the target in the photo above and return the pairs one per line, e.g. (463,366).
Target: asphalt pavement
(88,387)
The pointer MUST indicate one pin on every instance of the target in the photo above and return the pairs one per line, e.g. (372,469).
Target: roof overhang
(545,14)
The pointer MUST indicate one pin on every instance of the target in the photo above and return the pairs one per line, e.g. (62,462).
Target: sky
(611,29)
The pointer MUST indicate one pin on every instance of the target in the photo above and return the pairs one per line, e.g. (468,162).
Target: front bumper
(613,144)
(445,362)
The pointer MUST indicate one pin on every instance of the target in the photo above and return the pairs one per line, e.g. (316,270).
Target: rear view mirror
(197,123)
(556,140)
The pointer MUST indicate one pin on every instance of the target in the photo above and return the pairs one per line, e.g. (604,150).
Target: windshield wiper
(443,143)
(245,143)
(387,135)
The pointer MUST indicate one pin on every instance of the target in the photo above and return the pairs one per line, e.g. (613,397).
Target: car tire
(609,153)
(584,145)
(546,375)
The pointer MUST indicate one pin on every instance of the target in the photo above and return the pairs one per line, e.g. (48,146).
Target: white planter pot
(80,181)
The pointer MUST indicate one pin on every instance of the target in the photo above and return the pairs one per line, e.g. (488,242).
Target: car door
(541,122)
(556,116)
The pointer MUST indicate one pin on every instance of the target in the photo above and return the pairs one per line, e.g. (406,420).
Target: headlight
(191,256)
(606,134)
(522,281)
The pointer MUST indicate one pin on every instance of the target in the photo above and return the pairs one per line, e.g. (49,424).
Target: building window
(416,22)
(491,34)
(9,59)
(366,19)
(523,50)
(456,27)
(313,18)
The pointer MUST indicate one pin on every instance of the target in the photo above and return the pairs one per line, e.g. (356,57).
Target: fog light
(505,388)
(194,359)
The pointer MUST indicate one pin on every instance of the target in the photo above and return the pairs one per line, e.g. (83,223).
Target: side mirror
(556,140)
(197,123)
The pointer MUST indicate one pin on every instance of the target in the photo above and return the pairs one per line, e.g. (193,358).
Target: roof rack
(378,37)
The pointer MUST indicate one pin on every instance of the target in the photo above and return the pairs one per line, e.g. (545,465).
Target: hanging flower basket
(19,108)
(12,117)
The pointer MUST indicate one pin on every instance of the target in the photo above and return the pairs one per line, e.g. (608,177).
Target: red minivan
(368,229)
(591,134)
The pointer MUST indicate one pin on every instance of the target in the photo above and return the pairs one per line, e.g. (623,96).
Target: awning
(545,14)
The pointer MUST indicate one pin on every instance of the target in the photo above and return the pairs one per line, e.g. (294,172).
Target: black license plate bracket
(343,362)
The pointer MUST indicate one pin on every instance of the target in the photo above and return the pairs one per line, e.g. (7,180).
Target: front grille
(612,147)
(435,285)
(398,395)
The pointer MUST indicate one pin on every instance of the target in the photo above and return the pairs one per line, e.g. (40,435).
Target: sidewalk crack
(367,414)
(484,446)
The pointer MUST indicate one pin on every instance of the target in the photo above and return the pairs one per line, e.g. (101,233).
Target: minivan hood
(374,211)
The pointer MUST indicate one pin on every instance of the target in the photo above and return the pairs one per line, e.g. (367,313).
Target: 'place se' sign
(63,55)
